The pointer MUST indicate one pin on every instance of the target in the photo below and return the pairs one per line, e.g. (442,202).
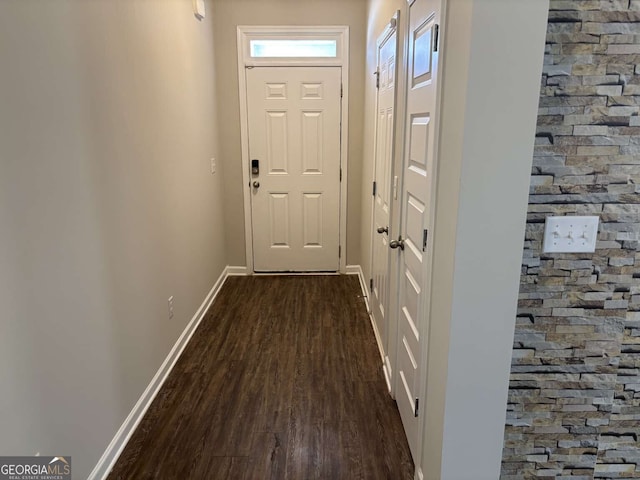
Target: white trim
(244,144)
(244,34)
(354,270)
(344,150)
(388,375)
(294,274)
(236,271)
(122,436)
(357,270)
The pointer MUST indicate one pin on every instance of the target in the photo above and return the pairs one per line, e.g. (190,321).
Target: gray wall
(574,399)
(107,207)
(228,14)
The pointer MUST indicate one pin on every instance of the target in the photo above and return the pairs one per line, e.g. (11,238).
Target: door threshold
(327,272)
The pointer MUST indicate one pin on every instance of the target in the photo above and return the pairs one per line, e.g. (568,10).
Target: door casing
(244,35)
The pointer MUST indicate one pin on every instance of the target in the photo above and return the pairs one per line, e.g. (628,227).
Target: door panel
(277,142)
(294,131)
(312,138)
(312,214)
(387,57)
(279,219)
(417,206)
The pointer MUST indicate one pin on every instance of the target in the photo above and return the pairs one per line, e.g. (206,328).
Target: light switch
(570,234)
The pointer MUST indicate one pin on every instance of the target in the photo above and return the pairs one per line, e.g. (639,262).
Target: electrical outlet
(170,306)
(213,166)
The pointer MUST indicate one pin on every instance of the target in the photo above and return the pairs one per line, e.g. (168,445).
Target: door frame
(246,33)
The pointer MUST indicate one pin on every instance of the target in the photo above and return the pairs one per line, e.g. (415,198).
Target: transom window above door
(293,48)
(292,45)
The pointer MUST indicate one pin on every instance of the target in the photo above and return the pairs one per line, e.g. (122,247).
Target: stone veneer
(574,395)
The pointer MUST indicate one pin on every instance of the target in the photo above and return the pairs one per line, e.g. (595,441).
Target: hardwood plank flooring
(282,380)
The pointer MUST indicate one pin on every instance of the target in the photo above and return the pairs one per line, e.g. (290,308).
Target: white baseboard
(353,270)
(378,339)
(236,271)
(357,270)
(386,377)
(387,373)
(294,274)
(115,448)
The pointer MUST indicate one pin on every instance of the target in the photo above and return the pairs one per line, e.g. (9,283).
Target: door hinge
(415,414)
(377,74)
(425,236)
(436,36)
(339,251)
(341,90)
(371,284)
(374,188)
(340,174)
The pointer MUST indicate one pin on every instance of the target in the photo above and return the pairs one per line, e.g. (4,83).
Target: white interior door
(417,208)
(387,48)
(294,134)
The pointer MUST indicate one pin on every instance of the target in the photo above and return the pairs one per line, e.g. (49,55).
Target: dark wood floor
(282,380)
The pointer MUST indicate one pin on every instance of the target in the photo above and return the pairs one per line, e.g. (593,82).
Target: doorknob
(383,230)
(256,184)
(397,243)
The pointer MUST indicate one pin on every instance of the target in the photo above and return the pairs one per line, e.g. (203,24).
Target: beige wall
(228,14)
(107,207)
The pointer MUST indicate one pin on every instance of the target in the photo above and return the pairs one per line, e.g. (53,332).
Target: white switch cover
(570,234)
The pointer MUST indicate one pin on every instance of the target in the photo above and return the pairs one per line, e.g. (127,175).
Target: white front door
(294,142)
(382,192)
(416,217)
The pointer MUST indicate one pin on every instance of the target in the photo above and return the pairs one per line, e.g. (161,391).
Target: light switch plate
(570,234)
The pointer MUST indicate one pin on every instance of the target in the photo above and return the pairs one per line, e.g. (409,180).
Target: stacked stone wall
(574,395)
